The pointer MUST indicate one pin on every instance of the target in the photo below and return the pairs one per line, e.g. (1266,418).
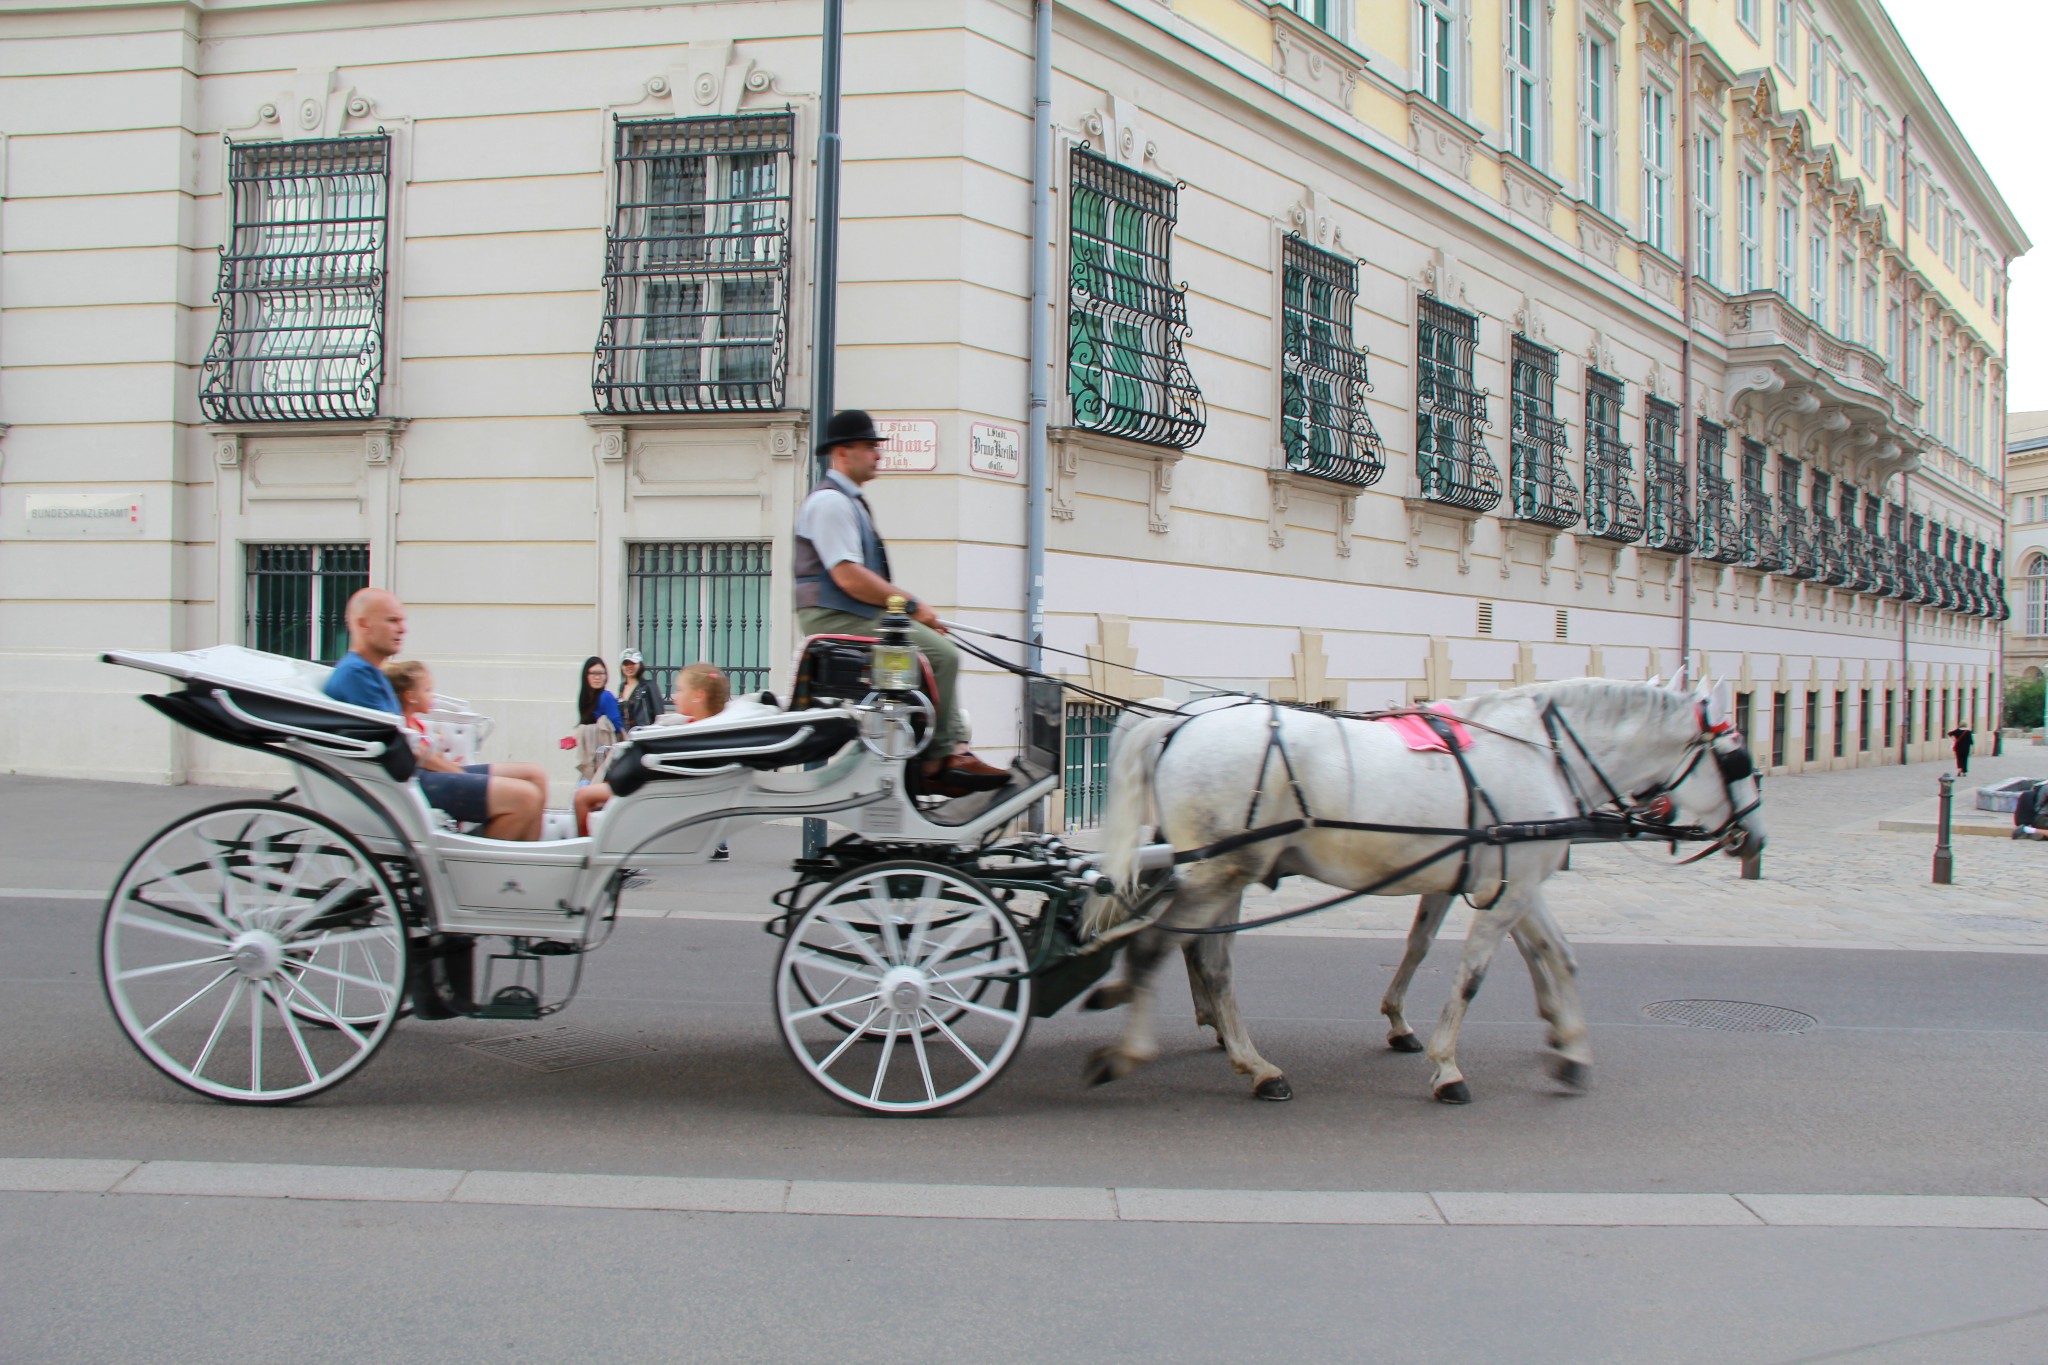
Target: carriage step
(511,1002)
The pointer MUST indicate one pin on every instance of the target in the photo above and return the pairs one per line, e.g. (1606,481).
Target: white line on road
(1007,1203)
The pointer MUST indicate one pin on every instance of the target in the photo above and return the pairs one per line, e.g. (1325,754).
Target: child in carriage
(701,692)
(414,687)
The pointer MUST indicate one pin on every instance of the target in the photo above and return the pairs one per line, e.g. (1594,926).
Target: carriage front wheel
(254,952)
(897,988)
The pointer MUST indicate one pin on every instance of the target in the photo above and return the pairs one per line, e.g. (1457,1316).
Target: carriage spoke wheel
(254,953)
(892,988)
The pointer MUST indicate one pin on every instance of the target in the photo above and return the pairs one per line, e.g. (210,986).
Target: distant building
(2026,543)
(1398,350)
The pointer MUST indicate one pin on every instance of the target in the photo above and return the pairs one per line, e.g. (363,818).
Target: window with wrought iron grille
(1801,560)
(1324,427)
(1451,463)
(301,285)
(1667,520)
(1612,509)
(699,601)
(1539,486)
(1126,372)
(1761,546)
(1720,539)
(295,598)
(696,281)
(1830,552)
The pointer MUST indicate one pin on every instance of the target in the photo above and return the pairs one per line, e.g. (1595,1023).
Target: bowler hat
(847,427)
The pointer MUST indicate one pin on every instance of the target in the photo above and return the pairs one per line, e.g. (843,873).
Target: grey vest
(814,586)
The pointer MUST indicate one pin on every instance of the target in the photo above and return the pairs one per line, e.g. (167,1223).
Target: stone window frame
(1535,74)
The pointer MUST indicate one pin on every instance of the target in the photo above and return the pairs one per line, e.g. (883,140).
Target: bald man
(507,799)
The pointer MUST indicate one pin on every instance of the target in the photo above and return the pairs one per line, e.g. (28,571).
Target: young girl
(507,799)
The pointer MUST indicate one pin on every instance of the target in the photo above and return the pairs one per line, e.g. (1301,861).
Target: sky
(1988,72)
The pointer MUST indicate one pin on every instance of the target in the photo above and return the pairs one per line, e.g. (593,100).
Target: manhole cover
(1734,1016)
(559,1049)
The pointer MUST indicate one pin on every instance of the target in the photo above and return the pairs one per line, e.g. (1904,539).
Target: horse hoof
(1273,1088)
(1454,1093)
(1105,1065)
(1404,1042)
(1107,998)
(1570,1074)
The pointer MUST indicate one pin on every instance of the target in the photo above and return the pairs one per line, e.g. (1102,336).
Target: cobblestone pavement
(1829,877)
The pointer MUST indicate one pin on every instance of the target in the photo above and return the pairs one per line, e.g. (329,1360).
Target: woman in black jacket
(638,697)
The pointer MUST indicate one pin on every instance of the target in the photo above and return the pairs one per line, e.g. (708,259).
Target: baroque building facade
(1396,350)
(2026,544)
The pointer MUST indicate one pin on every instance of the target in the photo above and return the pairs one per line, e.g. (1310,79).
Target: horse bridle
(1652,806)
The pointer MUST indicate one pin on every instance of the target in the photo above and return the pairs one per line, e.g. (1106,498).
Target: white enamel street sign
(910,445)
(992,449)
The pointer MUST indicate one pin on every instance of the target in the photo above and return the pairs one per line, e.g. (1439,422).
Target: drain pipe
(1039,343)
(1905,477)
(1688,426)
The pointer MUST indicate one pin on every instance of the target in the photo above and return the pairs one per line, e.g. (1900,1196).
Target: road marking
(1012,1203)
(42,893)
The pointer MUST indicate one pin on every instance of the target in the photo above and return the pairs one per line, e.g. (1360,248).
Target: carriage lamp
(892,662)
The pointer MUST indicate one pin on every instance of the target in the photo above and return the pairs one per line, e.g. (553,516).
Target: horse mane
(1604,701)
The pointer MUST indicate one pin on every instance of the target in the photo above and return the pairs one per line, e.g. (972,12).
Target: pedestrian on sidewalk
(598,721)
(637,700)
(1963,741)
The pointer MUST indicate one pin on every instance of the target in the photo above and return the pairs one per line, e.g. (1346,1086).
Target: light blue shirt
(359,682)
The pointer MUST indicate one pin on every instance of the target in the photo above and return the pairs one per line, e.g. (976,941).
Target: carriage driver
(507,799)
(842,584)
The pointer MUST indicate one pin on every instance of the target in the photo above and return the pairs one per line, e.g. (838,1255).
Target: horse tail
(1132,757)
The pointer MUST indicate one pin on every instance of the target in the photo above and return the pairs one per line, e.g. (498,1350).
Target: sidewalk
(1830,878)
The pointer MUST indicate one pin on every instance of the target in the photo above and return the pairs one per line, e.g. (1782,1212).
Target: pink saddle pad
(1416,734)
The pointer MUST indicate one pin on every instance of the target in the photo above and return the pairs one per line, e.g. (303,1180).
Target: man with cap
(842,584)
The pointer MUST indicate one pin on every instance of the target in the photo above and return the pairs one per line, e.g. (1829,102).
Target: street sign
(910,445)
(77,516)
(992,449)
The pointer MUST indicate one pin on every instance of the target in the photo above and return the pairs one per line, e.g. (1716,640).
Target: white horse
(1548,752)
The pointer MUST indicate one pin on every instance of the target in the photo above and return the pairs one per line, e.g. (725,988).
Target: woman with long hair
(598,720)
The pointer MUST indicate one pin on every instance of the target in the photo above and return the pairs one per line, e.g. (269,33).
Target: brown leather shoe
(962,773)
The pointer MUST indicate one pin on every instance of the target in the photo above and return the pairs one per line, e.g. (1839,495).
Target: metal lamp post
(825,282)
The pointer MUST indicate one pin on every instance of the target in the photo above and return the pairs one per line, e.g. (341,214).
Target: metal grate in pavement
(1733,1016)
(559,1049)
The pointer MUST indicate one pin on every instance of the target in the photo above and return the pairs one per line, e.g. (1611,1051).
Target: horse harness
(1644,814)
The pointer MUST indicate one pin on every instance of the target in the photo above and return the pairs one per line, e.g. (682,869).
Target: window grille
(1485,626)
(1089,726)
(696,281)
(1863,721)
(1563,624)
(297,596)
(1324,426)
(1539,486)
(1897,559)
(2002,604)
(1942,545)
(1796,532)
(301,285)
(699,601)
(1612,510)
(1719,537)
(1451,462)
(1926,576)
(1667,519)
(1857,571)
(1841,722)
(1761,546)
(1126,373)
(1781,716)
(1812,736)
(1830,566)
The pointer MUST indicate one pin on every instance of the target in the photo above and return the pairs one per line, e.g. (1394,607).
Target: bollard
(1944,857)
(1753,868)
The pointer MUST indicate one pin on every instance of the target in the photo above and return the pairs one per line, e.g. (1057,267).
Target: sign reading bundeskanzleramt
(79,516)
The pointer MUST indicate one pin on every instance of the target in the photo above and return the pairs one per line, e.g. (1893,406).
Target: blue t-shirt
(359,682)
(608,707)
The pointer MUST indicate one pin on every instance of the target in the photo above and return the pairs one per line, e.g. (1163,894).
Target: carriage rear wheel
(254,952)
(894,988)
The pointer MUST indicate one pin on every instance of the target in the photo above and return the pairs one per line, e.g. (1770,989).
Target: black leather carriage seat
(199,707)
(832,670)
(787,740)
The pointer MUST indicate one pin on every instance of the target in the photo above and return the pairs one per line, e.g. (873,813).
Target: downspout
(1905,477)
(1039,343)
(1688,427)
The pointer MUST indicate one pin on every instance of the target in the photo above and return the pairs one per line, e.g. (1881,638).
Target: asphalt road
(1923,1077)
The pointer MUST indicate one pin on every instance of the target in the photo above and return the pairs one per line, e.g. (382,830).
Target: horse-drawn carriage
(261,951)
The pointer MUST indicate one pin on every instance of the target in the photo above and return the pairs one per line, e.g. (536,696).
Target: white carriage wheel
(233,928)
(921,957)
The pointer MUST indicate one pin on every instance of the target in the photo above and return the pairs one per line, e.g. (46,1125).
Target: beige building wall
(501,506)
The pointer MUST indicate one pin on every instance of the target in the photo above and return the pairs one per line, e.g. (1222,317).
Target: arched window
(2037,595)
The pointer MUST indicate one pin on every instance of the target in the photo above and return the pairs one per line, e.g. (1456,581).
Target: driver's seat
(832,670)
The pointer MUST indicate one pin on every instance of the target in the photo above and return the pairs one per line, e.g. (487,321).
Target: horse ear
(1656,680)
(1678,679)
(1722,702)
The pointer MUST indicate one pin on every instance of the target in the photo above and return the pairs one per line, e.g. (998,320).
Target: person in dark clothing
(1963,741)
